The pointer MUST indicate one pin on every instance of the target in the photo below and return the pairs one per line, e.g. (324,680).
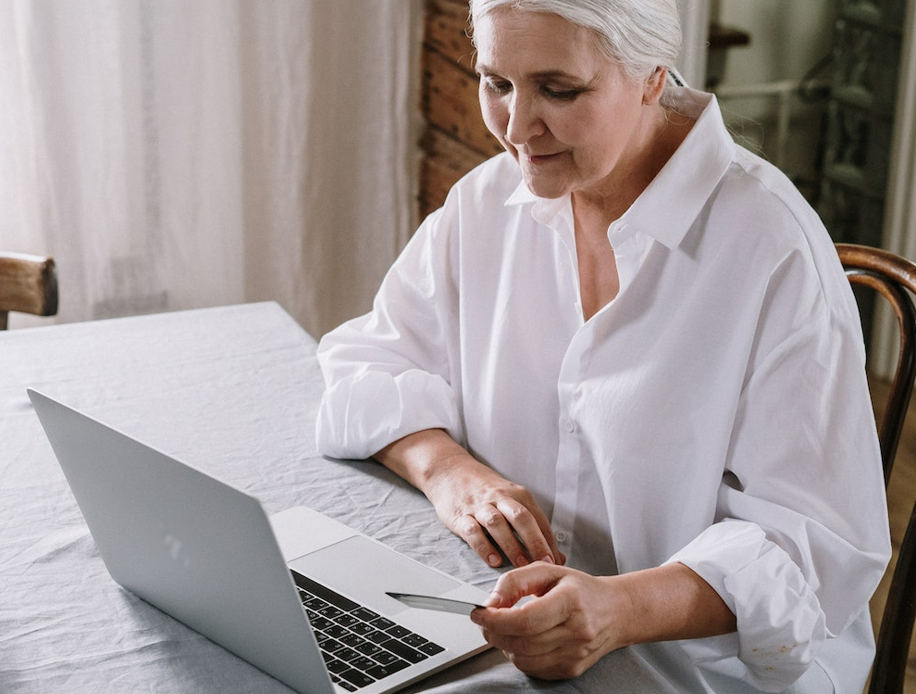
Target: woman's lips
(541,158)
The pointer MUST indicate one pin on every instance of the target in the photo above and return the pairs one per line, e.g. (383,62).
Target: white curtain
(173,154)
(695,25)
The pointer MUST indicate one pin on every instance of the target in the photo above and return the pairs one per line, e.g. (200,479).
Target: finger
(532,648)
(511,628)
(544,524)
(559,664)
(529,504)
(502,533)
(469,529)
(535,536)
(533,580)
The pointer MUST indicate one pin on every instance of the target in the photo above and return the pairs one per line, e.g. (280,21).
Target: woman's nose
(524,121)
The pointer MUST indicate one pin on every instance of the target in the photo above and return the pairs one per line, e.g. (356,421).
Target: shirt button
(562,536)
(569,425)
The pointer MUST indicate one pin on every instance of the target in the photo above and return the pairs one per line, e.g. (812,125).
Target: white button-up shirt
(715,412)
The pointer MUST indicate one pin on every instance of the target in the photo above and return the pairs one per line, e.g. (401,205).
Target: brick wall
(455,139)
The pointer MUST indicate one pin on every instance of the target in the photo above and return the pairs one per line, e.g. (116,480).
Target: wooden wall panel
(445,161)
(450,103)
(456,139)
(447,31)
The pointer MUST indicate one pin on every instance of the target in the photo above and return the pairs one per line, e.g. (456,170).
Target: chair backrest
(893,278)
(28,284)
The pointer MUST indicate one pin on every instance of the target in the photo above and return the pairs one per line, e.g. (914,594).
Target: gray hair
(639,35)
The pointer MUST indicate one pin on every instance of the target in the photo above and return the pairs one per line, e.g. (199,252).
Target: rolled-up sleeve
(389,373)
(781,626)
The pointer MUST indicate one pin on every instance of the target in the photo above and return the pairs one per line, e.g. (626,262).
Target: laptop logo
(175,549)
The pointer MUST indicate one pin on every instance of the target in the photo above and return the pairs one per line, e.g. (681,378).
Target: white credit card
(429,602)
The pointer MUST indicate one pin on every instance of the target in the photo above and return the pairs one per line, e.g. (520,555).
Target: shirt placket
(569,453)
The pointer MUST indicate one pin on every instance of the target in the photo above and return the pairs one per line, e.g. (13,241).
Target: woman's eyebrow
(541,75)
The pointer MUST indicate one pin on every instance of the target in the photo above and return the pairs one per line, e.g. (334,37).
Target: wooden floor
(900,501)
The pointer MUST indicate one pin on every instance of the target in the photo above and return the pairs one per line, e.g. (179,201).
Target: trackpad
(364,570)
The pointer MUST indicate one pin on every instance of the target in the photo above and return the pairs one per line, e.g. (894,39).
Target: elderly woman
(625,357)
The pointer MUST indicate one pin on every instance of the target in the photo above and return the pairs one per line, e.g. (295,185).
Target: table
(233,391)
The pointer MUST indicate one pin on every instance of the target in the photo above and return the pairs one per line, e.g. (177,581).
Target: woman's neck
(596,209)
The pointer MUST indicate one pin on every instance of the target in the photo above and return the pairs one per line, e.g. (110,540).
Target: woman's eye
(561,94)
(497,86)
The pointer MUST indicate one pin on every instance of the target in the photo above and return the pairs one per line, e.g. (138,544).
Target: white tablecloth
(233,391)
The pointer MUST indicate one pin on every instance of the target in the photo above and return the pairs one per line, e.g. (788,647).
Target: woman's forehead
(512,34)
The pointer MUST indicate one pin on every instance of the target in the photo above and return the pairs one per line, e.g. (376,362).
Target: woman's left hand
(572,620)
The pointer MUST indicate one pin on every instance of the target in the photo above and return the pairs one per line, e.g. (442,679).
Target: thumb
(514,585)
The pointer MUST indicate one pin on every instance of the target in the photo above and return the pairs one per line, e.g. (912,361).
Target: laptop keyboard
(359,646)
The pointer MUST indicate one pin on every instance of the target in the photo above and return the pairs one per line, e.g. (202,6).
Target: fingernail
(492,599)
(548,559)
(494,560)
(521,560)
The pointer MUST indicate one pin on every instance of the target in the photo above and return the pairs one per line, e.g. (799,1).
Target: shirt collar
(544,210)
(667,208)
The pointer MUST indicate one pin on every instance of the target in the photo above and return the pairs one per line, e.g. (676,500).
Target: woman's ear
(654,86)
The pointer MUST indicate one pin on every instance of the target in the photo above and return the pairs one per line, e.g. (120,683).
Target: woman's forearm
(421,457)
(673,602)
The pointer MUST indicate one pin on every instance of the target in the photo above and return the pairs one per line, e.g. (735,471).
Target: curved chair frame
(894,278)
(28,284)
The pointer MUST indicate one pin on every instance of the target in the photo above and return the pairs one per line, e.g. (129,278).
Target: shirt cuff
(360,415)
(781,626)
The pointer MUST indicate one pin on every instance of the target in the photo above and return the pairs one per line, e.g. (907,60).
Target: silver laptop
(300,595)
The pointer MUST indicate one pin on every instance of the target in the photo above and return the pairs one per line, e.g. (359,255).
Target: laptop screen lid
(168,533)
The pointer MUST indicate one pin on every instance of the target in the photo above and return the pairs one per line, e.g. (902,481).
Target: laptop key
(430,648)
(330,611)
(330,645)
(414,640)
(408,653)
(364,629)
(312,602)
(382,623)
(347,620)
(381,671)
(347,654)
(321,623)
(336,666)
(397,631)
(355,677)
(337,631)
(363,663)
(378,637)
(353,640)
(369,648)
(385,658)
(365,614)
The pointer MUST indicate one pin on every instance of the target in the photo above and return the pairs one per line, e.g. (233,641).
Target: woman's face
(559,105)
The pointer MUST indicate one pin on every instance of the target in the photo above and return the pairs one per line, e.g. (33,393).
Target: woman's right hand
(487,511)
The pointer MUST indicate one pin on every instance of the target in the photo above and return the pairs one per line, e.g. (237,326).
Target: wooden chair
(28,284)
(893,278)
